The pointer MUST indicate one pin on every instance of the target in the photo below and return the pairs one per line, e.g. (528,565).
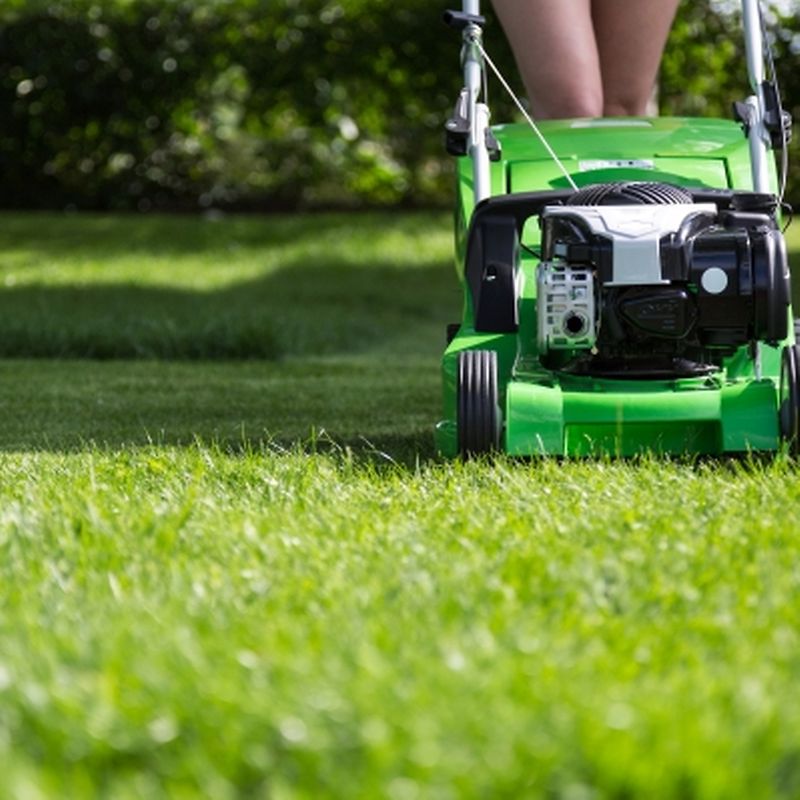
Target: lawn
(233,568)
(177,329)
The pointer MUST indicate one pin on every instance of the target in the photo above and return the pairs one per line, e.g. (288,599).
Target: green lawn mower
(626,283)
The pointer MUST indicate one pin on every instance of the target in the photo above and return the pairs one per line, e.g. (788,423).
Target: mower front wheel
(789,408)
(479,417)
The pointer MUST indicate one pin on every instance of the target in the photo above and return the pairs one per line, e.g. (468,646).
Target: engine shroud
(646,279)
(676,286)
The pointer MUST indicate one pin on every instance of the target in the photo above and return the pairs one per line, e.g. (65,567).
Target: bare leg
(630,39)
(554,45)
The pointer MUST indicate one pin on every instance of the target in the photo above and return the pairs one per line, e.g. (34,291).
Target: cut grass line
(65,405)
(245,287)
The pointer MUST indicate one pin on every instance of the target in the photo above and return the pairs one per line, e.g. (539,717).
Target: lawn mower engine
(648,280)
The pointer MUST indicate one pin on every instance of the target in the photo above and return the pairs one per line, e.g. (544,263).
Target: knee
(613,108)
(568,104)
(630,104)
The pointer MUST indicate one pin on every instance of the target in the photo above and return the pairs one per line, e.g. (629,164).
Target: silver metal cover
(635,232)
(565,296)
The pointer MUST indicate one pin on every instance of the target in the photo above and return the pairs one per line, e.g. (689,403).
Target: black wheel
(479,420)
(789,409)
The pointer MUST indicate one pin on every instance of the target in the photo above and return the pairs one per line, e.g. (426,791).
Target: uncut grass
(184,622)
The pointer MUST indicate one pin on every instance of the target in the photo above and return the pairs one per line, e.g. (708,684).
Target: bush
(244,103)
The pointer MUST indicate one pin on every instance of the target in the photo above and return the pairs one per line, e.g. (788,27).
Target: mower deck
(540,411)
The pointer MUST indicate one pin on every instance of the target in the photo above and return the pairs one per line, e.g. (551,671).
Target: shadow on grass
(344,339)
(373,405)
(298,310)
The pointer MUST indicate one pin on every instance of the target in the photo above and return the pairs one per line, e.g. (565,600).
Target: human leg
(554,46)
(630,39)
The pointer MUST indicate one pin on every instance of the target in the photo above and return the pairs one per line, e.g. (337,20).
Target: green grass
(245,576)
(326,323)
(115,287)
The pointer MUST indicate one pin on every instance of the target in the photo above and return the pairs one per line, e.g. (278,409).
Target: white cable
(527,116)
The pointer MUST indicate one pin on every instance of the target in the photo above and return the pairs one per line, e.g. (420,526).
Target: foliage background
(283,104)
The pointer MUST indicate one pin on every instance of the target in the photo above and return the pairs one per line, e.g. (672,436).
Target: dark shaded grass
(243,332)
(279,287)
(322,404)
(297,310)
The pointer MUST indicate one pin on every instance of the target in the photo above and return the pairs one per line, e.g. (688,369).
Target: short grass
(235,572)
(242,329)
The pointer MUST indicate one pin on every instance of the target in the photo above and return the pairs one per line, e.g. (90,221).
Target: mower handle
(757,134)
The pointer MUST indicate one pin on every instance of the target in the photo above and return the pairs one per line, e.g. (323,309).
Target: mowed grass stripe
(357,402)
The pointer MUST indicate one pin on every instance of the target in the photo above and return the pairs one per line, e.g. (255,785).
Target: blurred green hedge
(273,103)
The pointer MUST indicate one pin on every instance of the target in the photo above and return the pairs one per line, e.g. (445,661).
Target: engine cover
(631,281)
(633,235)
(668,313)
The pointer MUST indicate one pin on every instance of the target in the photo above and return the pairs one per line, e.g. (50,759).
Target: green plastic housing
(551,413)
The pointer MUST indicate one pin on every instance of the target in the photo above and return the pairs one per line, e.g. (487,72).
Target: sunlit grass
(271,623)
